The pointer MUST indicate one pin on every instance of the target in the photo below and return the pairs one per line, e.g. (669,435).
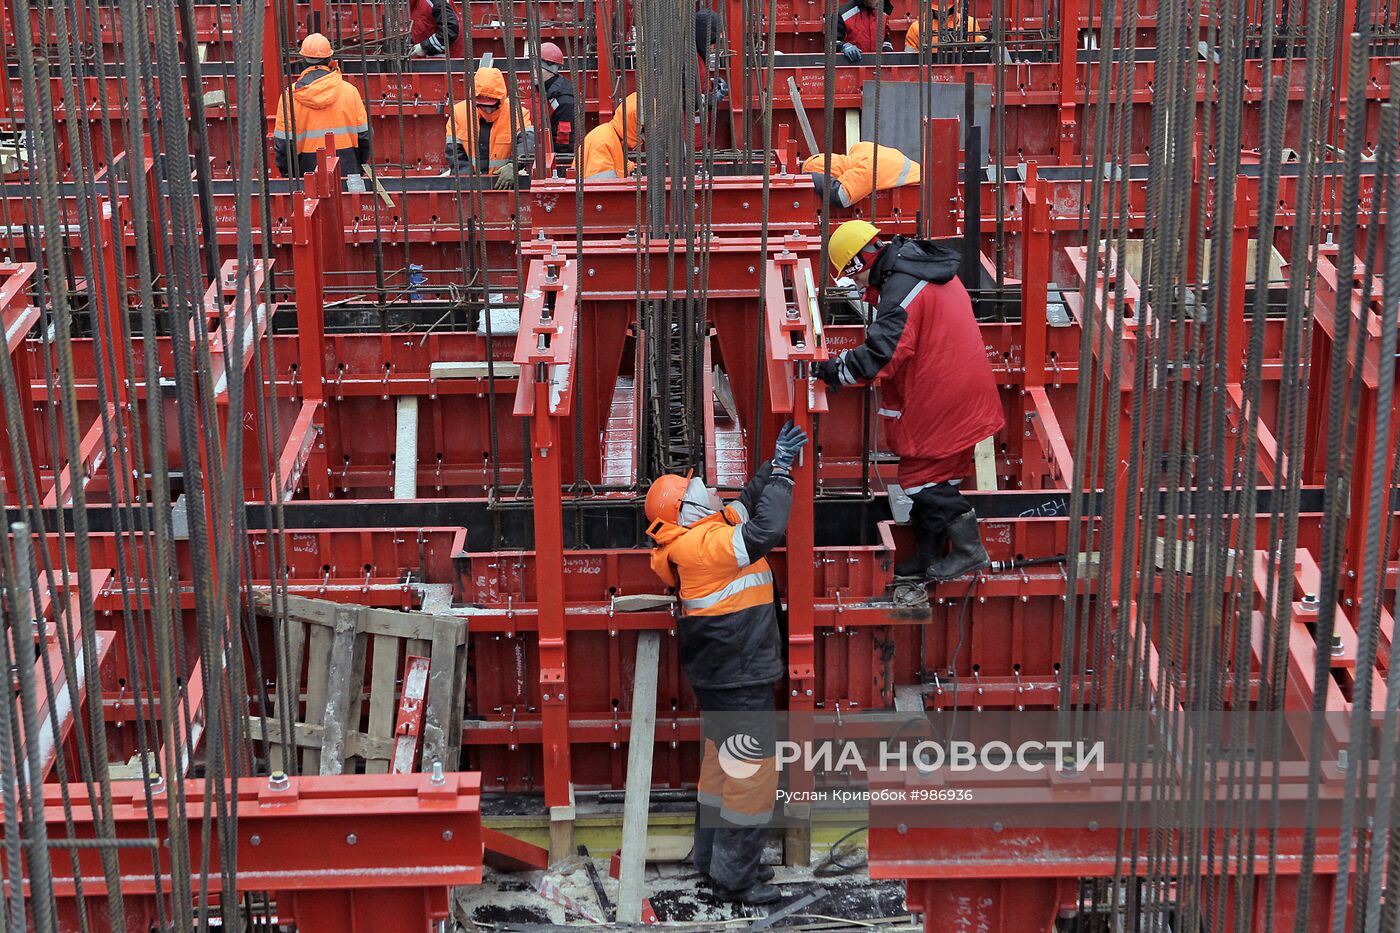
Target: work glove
(828,371)
(791,440)
(417,51)
(887,47)
(721,91)
(851,52)
(505,176)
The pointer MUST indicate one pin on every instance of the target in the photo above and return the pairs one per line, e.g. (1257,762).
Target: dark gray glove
(851,52)
(828,371)
(791,440)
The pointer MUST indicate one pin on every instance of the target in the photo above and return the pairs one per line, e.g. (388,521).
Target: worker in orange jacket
(852,177)
(483,137)
(606,146)
(731,652)
(945,22)
(321,101)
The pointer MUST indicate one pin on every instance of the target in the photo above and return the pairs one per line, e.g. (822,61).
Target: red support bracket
(546,351)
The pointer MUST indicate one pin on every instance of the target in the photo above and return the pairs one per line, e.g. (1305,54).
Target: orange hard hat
(316,46)
(664,498)
(549,52)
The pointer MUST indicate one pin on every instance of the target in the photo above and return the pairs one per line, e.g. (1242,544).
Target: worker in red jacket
(936,387)
(732,653)
(858,28)
(434,28)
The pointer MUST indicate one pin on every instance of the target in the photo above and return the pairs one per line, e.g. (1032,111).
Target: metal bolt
(255,840)
(1337,647)
(1310,602)
(438,778)
(901,829)
(996,827)
(351,839)
(447,835)
(1093,826)
(278,780)
(157,784)
(548,697)
(809,691)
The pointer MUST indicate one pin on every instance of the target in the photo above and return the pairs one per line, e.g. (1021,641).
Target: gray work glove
(791,440)
(851,52)
(505,176)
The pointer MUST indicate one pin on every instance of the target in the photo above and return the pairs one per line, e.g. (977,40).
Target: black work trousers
(733,808)
(934,509)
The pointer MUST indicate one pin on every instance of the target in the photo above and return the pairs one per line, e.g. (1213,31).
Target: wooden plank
(312,737)
(373,621)
(453,738)
(984,457)
(410,718)
(336,719)
(383,677)
(472,369)
(637,802)
(441,689)
(406,448)
(803,123)
(318,672)
(295,650)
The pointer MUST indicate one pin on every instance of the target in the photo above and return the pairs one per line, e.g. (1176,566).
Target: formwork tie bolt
(278,780)
(1337,647)
(1310,602)
(438,778)
(351,839)
(255,840)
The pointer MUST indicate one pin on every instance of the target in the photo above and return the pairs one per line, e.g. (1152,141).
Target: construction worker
(713,88)
(434,28)
(936,388)
(852,177)
(945,22)
(482,136)
(606,146)
(558,94)
(731,651)
(321,101)
(858,28)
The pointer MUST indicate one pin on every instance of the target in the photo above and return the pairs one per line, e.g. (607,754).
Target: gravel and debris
(563,899)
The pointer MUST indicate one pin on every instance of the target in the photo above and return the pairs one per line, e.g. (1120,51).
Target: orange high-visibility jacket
(322,102)
(853,173)
(603,153)
(464,129)
(950,23)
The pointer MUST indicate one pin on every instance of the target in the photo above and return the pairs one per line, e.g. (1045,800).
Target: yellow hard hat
(316,46)
(847,242)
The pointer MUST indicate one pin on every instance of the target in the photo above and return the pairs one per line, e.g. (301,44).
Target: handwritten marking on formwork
(305,544)
(972,915)
(1047,509)
(997,532)
(591,566)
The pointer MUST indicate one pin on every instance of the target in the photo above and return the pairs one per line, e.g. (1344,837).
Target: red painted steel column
(1035,290)
(272,62)
(1069,80)
(941,170)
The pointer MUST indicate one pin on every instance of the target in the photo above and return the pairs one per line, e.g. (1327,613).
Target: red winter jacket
(435,23)
(937,386)
(856,25)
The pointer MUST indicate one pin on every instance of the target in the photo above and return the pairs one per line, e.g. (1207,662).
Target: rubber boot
(966,554)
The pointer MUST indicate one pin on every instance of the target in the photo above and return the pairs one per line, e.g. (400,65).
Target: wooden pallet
(329,648)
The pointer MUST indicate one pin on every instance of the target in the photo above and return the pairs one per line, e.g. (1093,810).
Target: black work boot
(966,554)
(754,895)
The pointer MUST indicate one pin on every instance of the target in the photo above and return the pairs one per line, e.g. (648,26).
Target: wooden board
(341,684)
(318,674)
(384,673)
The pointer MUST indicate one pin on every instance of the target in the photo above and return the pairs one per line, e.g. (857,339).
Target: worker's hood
(318,87)
(706,31)
(629,108)
(666,534)
(700,503)
(934,261)
(490,82)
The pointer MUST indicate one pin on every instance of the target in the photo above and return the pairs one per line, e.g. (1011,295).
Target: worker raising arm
(482,135)
(558,94)
(852,177)
(321,101)
(731,651)
(434,28)
(606,146)
(937,386)
(858,29)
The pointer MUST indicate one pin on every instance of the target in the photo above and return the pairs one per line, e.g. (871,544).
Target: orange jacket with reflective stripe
(603,153)
(855,170)
(728,628)
(464,127)
(950,24)
(322,102)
